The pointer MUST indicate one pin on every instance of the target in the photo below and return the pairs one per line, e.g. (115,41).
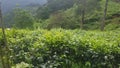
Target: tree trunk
(82,19)
(104,16)
(83,14)
(6,52)
(1,58)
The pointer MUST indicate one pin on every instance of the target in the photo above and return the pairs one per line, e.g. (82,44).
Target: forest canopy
(66,14)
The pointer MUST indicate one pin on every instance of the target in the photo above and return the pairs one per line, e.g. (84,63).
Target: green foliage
(56,5)
(8,19)
(52,6)
(71,18)
(89,6)
(42,13)
(64,14)
(62,20)
(112,26)
(23,19)
(21,65)
(113,8)
(65,48)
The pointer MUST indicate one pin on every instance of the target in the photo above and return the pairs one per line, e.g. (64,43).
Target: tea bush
(59,48)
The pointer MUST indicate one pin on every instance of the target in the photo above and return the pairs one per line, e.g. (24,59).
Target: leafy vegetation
(65,48)
(54,35)
(66,14)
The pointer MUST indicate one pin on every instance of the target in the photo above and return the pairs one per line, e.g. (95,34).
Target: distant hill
(8,5)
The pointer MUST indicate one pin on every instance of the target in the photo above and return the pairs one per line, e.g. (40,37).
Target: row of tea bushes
(59,48)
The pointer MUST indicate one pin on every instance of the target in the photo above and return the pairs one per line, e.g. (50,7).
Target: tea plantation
(59,48)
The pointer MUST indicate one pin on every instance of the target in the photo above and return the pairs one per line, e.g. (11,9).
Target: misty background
(8,5)
(67,14)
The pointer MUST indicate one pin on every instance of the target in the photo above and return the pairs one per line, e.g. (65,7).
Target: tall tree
(85,7)
(23,18)
(104,16)
(83,13)
(6,64)
(81,10)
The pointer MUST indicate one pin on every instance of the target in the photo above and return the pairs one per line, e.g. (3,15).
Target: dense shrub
(60,48)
